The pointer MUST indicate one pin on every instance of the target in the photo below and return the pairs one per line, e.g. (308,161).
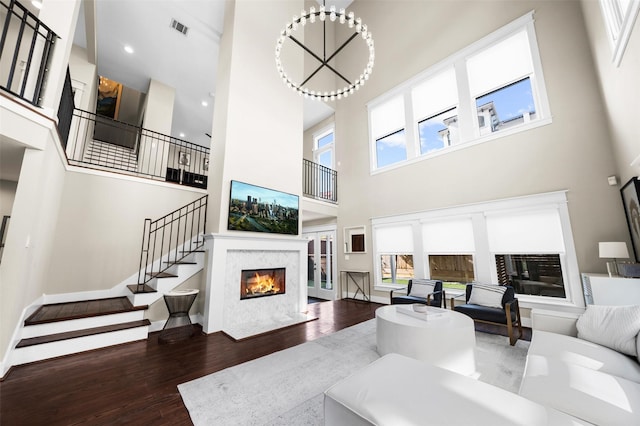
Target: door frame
(316,231)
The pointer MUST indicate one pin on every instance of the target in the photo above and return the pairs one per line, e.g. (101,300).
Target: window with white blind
(529,249)
(387,128)
(525,242)
(394,249)
(490,89)
(449,247)
(619,17)
(435,109)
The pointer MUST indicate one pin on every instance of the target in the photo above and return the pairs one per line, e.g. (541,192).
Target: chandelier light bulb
(350,19)
(322,14)
(312,14)
(341,16)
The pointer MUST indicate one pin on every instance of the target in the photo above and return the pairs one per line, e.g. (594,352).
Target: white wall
(7,195)
(573,153)
(620,88)
(84,73)
(99,231)
(257,130)
(30,239)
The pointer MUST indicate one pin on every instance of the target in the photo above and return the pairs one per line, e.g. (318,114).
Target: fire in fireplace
(262,282)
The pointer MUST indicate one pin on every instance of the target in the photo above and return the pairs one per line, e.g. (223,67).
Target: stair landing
(81,309)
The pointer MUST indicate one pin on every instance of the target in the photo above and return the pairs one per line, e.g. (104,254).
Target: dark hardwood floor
(136,383)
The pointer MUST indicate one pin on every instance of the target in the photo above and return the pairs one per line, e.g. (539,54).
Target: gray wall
(573,153)
(620,89)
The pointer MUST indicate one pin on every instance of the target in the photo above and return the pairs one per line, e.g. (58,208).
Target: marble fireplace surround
(227,256)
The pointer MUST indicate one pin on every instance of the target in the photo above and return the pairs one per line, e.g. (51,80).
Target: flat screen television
(257,209)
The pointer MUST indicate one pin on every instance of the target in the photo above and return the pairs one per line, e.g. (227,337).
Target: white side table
(442,337)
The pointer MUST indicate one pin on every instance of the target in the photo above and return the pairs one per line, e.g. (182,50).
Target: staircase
(77,325)
(111,156)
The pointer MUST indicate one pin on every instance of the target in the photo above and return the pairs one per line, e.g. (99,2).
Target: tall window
(491,88)
(323,148)
(528,249)
(387,128)
(449,247)
(435,109)
(619,16)
(524,242)
(324,181)
(394,245)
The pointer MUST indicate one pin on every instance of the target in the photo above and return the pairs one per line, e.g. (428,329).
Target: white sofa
(567,381)
(583,379)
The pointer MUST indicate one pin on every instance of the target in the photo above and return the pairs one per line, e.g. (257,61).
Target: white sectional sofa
(584,379)
(567,381)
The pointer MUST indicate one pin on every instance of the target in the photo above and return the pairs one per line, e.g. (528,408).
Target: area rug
(286,387)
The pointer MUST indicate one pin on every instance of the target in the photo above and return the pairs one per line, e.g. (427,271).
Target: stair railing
(168,240)
(24,57)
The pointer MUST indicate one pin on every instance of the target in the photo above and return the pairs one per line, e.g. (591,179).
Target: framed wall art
(630,198)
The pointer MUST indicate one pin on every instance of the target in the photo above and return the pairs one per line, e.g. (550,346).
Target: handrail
(103,143)
(168,240)
(319,182)
(23,24)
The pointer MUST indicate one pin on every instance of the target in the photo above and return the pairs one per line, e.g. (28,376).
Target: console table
(362,282)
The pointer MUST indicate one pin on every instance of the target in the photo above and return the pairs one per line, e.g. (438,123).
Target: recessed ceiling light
(37,4)
(205,103)
(182,135)
(128,49)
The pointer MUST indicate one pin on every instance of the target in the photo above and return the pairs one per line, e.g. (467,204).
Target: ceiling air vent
(179,27)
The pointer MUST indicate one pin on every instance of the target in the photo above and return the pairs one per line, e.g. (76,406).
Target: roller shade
(435,95)
(394,239)
(451,236)
(387,117)
(528,232)
(503,63)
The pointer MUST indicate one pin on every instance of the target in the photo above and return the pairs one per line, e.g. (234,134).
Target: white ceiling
(186,63)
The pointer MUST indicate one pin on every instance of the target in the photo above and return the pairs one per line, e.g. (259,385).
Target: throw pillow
(487,295)
(421,288)
(615,327)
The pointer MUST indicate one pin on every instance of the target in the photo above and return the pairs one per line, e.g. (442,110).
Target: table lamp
(613,250)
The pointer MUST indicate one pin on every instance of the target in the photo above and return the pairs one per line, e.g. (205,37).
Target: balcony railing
(25,49)
(102,143)
(319,182)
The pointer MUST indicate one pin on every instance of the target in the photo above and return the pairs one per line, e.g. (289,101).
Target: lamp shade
(613,250)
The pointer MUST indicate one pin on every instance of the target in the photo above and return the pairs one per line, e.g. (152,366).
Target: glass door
(321,264)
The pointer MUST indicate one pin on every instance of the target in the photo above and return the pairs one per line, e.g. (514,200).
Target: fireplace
(262,282)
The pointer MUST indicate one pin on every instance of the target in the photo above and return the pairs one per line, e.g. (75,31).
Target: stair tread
(138,289)
(81,309)
(161,275)
(182,262)
(81,333)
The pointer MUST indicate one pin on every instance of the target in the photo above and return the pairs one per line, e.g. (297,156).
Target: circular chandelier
(322,15)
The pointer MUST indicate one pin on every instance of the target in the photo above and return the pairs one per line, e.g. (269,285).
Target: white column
(61,16)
